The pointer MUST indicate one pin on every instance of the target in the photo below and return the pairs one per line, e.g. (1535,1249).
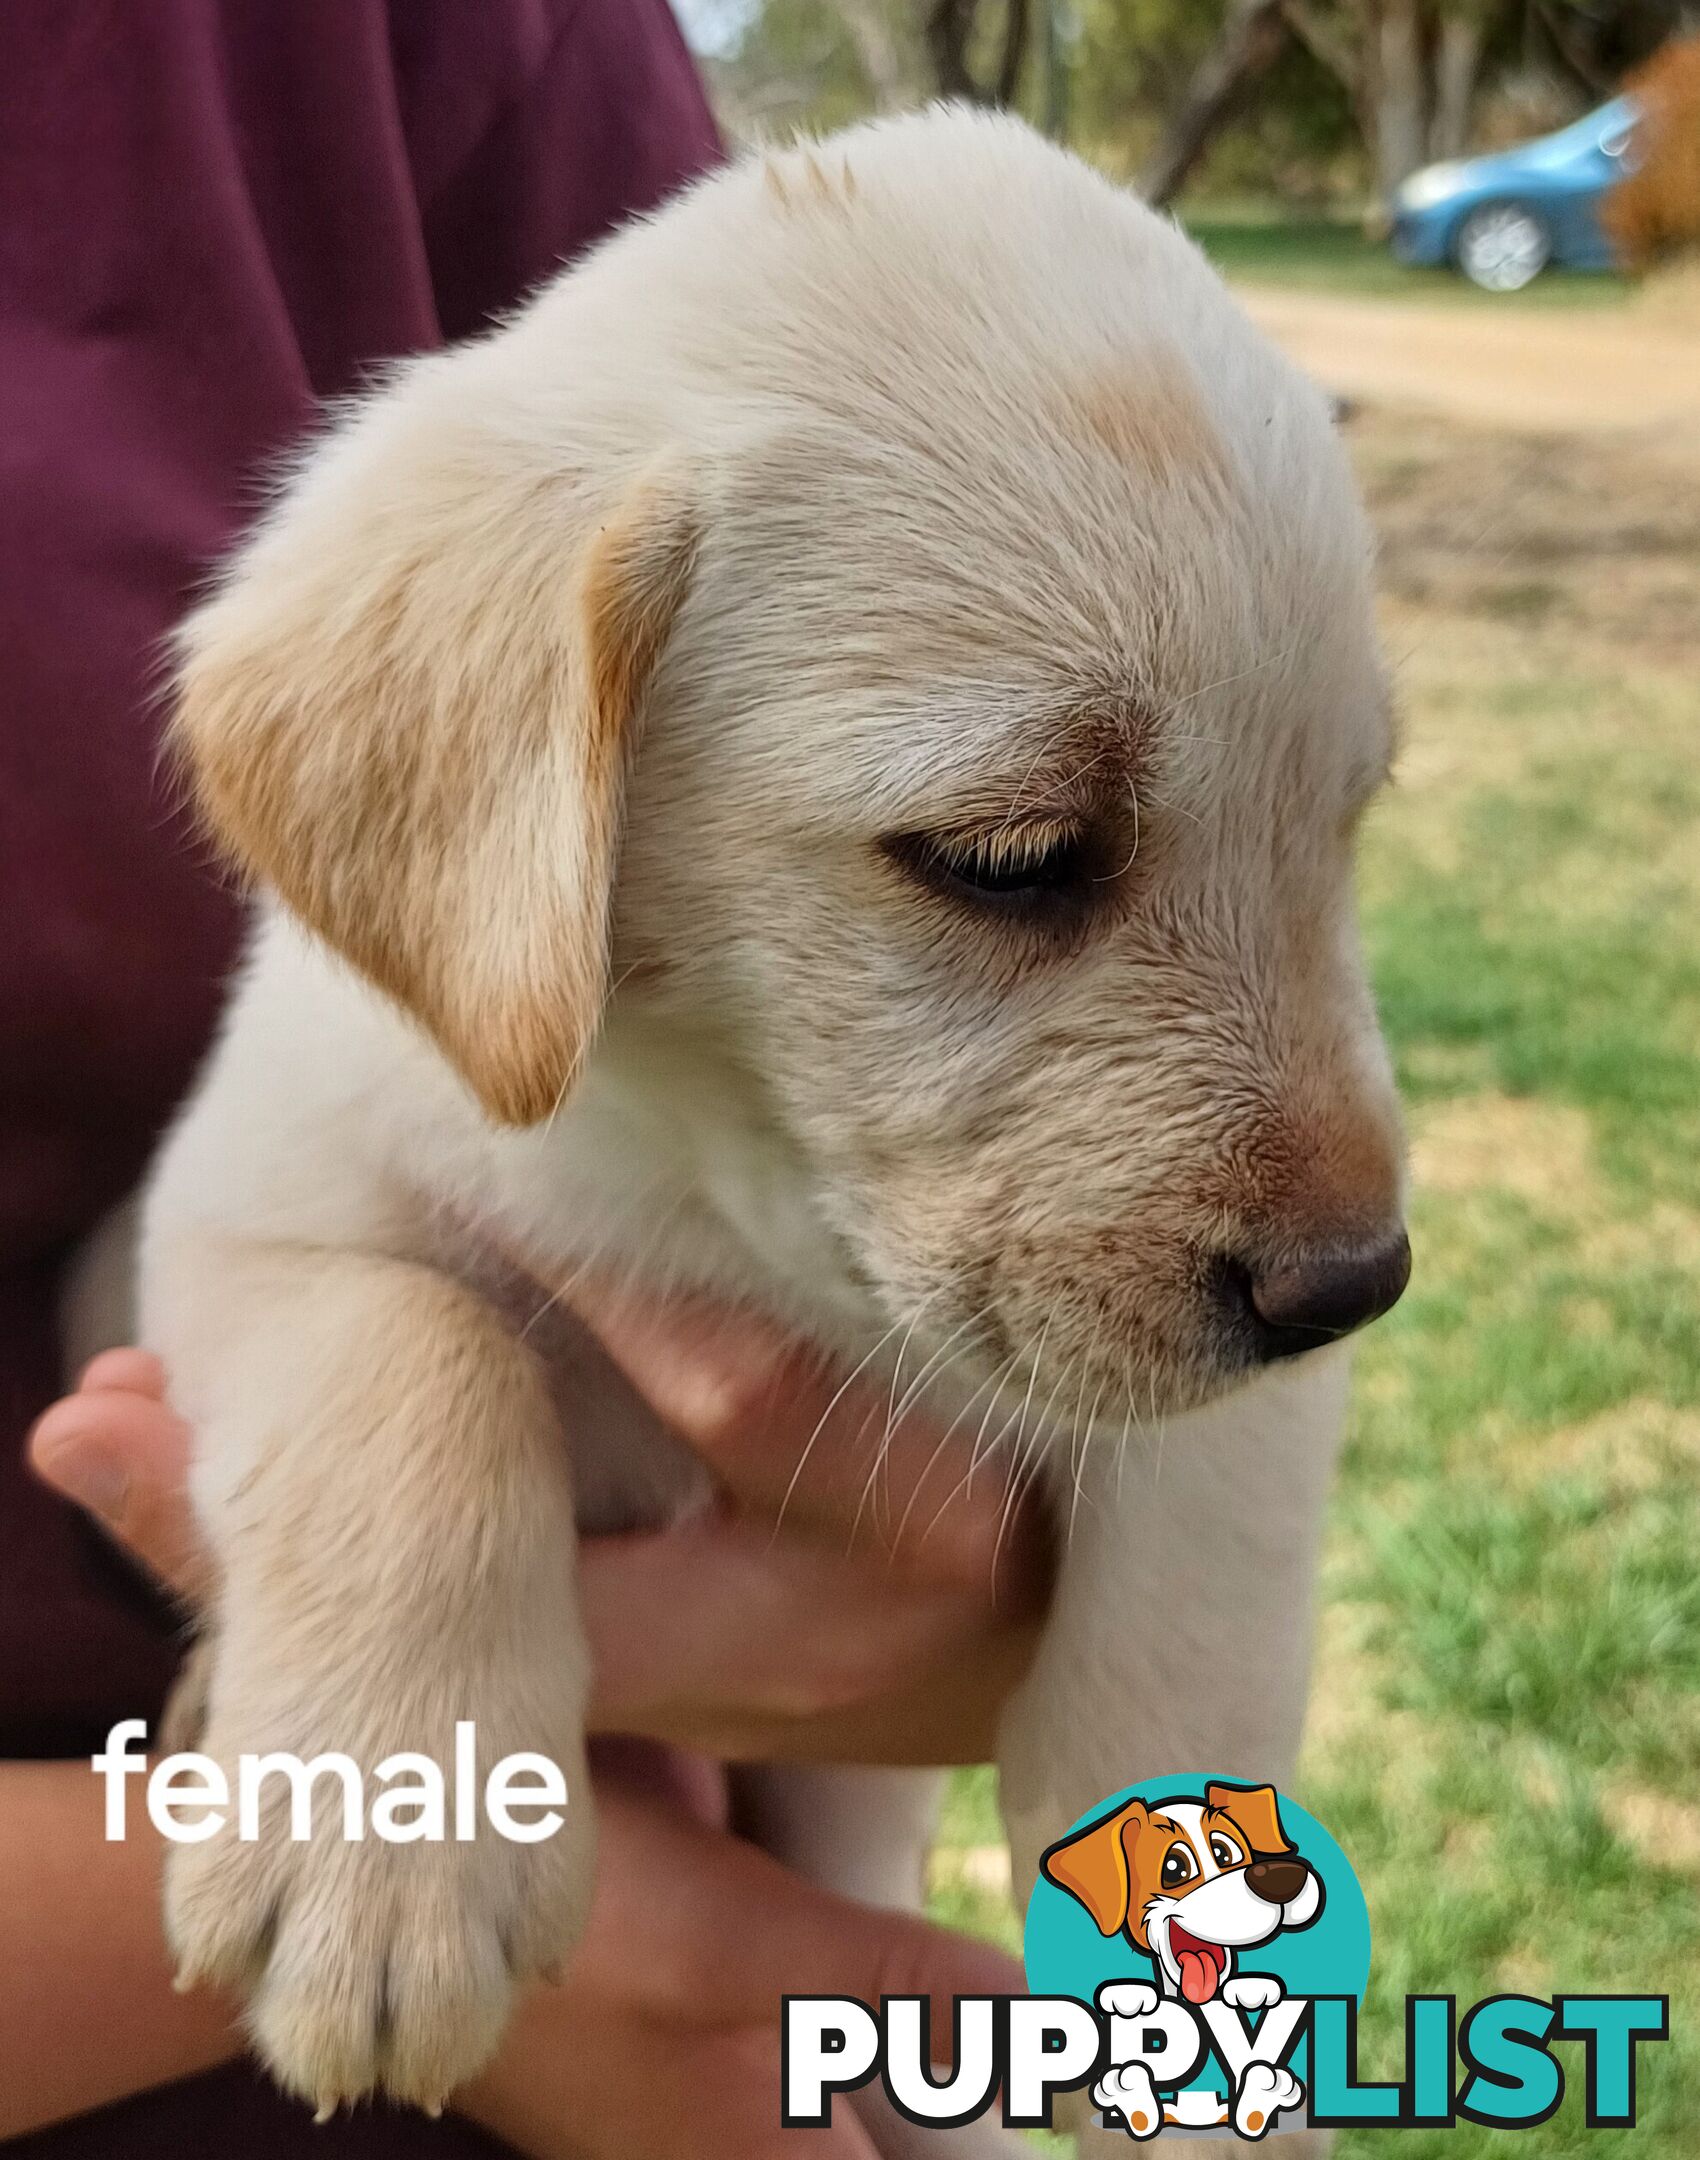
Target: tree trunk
(1401,103)
(1345,44)
(1457,62)
(950,25)
(877,48)
(1014,52)
(1251,38)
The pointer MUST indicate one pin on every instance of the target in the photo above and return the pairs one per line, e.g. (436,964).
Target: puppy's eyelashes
(1029,873)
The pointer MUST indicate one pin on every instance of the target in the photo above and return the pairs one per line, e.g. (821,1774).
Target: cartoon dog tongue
(1198,1976)
(1200,1965)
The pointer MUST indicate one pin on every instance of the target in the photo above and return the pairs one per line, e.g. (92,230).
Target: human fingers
(602,2082)
(752,1646)
(119,1451)
(126,1371)
(855,1459)
(663,2034)
(716,1931)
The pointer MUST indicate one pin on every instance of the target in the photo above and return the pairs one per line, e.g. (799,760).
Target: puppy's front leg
(382,1479)
(1179,1638)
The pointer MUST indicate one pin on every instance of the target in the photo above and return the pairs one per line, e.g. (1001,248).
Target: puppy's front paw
(1251,1991)
(1127,1999)
(184,1718)
(370,1964)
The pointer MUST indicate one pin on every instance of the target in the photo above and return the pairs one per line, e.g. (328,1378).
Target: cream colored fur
(919,483)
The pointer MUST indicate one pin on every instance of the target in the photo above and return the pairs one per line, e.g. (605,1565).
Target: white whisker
(844,1386)
(870,1486)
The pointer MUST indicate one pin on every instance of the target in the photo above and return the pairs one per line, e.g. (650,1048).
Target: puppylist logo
(1198,1949)
(1221,1935)
(1207,1891)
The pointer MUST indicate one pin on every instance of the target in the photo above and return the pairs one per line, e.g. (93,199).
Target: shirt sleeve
(612,121)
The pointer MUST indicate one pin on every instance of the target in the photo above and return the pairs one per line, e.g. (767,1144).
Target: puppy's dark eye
(1013,869)
(1224,1851)
(1178,1867)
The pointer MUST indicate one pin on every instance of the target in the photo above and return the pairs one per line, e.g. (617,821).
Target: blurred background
(1287,128)
(1478,222)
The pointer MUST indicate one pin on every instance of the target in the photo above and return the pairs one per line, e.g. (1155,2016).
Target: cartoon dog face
(1190,1881)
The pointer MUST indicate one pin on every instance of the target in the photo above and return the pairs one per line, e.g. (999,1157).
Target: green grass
(1506,1722)
(1332,255)
(1512,1755)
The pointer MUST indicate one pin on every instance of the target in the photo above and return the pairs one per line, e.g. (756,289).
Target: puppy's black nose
(1277,1882)
(1325,1295)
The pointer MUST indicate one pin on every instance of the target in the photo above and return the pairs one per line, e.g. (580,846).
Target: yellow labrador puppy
(818,762)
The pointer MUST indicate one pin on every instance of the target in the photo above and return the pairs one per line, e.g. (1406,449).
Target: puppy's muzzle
(1319,1297)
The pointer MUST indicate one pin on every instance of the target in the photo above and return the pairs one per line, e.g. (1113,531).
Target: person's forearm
(87,2012)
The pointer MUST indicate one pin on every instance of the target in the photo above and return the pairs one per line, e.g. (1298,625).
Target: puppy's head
(897,607)
(1191,1881)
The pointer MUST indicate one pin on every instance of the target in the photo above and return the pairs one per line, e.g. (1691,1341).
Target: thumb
(124,1456)
(794,1938)
(833,1946)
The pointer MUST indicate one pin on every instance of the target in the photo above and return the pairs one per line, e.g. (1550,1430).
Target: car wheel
(1502,247)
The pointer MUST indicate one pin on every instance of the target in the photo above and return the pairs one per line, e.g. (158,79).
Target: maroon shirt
(214,214)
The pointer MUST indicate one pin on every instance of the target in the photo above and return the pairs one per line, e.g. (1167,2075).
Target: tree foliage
(1296,97)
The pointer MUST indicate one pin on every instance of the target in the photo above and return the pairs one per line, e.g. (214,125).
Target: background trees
(1318,98)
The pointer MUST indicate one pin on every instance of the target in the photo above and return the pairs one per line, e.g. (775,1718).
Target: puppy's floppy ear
(1092,1865)
(1257,1811)
(410,711)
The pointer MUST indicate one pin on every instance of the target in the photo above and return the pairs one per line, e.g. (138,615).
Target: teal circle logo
(1185,1900)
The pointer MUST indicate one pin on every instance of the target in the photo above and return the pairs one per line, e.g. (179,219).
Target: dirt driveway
(1606,371)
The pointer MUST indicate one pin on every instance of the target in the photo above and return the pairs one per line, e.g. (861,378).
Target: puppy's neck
(671,1160)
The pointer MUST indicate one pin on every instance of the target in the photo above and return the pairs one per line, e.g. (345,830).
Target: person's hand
(869,1623)
(861,1596)
(664,2038)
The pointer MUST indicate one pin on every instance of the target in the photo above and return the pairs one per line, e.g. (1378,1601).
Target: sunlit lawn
(1333,255)
(1506,1732)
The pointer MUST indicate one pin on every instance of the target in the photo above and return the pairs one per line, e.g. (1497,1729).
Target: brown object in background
(1655,210)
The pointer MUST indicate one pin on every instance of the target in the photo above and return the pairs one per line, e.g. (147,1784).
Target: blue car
(1502,219)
